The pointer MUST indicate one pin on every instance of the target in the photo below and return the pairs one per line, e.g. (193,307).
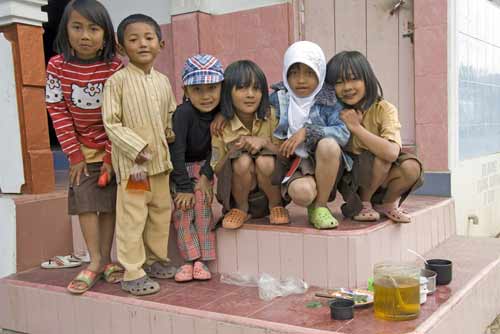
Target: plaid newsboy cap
(202,69)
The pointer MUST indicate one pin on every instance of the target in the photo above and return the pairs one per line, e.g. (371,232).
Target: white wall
(11,157)
(474,91)
(7,236)
(119,9)
(219,6)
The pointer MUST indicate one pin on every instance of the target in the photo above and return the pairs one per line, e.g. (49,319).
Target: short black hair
(137,18)
(95,12)
(346,62)
(242,74)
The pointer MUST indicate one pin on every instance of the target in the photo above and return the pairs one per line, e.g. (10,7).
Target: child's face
(205,98)
(302,79)
(351,90)
(246,100)
(85,37)
(141,44)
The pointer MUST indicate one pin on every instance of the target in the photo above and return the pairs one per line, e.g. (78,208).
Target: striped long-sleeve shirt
(137,112)
(74,97)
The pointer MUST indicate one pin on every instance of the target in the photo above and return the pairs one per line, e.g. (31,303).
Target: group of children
(132,149)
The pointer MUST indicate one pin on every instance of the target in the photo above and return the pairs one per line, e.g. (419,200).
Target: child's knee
(264,165)
(411,170)
(328,148)
(302,193)
(243,165)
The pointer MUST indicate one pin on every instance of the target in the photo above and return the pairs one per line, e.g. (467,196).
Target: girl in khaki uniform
(386,175)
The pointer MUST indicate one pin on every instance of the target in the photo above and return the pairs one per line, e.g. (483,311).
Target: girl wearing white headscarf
(312,131)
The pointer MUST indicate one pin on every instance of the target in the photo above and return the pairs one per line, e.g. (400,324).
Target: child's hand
(184,201)
(251,144)
(75,171)
(351,117)
(143,156)
(291,144)
(217,125)
(107,168)
(205,186)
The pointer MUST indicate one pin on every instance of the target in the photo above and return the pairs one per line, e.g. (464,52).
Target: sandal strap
(112,268)
(86,276)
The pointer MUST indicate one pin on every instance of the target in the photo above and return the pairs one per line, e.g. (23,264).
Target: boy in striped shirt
(137,111)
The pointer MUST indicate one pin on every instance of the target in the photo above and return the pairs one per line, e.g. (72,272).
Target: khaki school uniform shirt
(137,112)
(234,129)
(382,120)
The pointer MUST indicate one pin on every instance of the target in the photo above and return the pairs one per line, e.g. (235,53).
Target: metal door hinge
(397,6)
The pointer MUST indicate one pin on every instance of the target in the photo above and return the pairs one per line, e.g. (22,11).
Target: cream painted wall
(475,182)
(476,190)
(7,237)
(119,9)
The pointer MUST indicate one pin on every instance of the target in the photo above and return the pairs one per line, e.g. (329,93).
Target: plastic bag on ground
(269,287)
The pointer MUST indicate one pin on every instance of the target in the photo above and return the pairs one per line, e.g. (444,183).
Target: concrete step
(325,258)
(37,302)
(331,258)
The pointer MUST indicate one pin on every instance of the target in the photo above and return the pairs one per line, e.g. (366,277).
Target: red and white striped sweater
(74,97)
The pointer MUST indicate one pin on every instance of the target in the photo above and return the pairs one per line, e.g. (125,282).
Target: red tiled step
(37,302)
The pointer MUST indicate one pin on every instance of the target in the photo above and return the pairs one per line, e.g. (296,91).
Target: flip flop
(141,287)
(113,273)
(321,218)
(279,215)
(59,262)
(201,272)
(184,273)
(393,212)
(235,219)
(86,276)
(367,213)
(160,270)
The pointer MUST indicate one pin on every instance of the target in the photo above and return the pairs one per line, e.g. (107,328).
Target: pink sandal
(367,213)
(201,271)
(393,212)
(184,273)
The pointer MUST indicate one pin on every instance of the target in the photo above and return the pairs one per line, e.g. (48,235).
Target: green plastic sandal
(321,218)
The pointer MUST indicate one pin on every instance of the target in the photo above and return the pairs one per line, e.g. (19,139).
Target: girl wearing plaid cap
(192,177)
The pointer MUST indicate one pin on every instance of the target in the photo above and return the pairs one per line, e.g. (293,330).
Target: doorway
(54,10)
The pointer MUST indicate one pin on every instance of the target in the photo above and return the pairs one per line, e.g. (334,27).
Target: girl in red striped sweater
(85,44)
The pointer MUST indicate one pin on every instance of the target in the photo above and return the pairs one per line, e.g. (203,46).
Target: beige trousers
(142,225)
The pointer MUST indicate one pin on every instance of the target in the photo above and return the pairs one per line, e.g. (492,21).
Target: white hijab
(310,54)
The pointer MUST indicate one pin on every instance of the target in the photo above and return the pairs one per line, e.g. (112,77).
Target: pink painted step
(332,258)
(37,302)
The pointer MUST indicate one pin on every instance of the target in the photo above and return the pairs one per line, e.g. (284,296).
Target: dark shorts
(257,200)
(89,197)
(361,175)
(306,167)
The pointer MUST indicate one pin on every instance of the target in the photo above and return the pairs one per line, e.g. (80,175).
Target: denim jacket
(324,119)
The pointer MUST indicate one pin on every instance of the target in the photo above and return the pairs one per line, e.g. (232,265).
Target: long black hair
(95,12)
(243,74)
(353,63)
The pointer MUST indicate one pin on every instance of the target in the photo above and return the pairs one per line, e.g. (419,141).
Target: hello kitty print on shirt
(53,90)
(88,97)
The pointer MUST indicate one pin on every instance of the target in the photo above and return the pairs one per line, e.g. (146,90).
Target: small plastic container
(443,269)
(342,309)
(423,289)
(431,280)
